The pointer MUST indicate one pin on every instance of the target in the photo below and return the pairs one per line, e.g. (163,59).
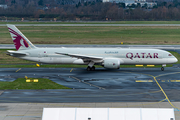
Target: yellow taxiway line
(18,70)
(160,80)
(71,70)
(144,80)
(164,93)
(160,85)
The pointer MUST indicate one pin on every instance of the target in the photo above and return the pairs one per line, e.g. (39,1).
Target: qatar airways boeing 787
(110,58)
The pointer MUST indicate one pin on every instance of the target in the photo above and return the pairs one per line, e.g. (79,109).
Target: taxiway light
(28,80)
(139,65)
(35,80)
(37,65)
(150,65)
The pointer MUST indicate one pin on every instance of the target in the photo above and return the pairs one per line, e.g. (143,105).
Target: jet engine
(112,63)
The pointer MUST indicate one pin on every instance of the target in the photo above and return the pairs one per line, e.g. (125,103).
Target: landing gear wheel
(162,69)
(93,68)
(88,68)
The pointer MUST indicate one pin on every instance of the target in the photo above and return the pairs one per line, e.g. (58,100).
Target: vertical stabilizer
(20,41)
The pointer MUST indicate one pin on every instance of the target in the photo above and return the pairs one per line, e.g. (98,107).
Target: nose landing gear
(162,68)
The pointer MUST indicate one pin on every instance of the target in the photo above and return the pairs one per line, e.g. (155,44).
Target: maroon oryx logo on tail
(17,41)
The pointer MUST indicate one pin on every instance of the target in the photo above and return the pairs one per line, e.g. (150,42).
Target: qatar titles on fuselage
(107,57)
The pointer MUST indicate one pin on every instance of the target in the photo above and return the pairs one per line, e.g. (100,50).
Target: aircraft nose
(175,59)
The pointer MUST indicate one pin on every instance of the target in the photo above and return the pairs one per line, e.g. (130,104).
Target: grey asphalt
(96,86)
(133,25)
(94,89)
(33,111)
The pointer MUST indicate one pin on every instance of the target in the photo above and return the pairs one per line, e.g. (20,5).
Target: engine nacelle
(112,63)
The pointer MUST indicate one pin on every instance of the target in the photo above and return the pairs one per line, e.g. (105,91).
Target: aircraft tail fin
(20,41)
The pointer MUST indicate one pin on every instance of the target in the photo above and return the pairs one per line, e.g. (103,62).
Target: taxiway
(123,88)
(124,85)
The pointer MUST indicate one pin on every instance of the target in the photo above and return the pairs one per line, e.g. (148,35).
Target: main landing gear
(90,68)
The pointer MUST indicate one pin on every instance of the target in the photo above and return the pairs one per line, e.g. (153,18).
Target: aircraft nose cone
(175,59)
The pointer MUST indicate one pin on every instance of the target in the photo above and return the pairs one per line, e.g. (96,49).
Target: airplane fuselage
(126,56)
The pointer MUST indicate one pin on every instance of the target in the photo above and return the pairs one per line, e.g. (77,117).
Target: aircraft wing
(79,56)
(11,52)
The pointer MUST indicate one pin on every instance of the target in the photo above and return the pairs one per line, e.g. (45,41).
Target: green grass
(21,83)
(69,66)
(134,66)
(95,22)
(44,66)
(5,59)
(96,35)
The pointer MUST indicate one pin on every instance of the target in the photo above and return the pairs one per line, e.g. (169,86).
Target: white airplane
(110,58)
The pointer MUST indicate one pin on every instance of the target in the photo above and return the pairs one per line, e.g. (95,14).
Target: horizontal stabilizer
(11,52)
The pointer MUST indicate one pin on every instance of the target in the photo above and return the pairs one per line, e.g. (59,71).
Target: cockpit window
(169,54)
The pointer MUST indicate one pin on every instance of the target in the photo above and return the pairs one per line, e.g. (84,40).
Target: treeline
(93,11)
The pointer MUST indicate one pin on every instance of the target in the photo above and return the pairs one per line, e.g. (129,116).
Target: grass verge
(71,66)
(167,35)
(95,22)
(21,83)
